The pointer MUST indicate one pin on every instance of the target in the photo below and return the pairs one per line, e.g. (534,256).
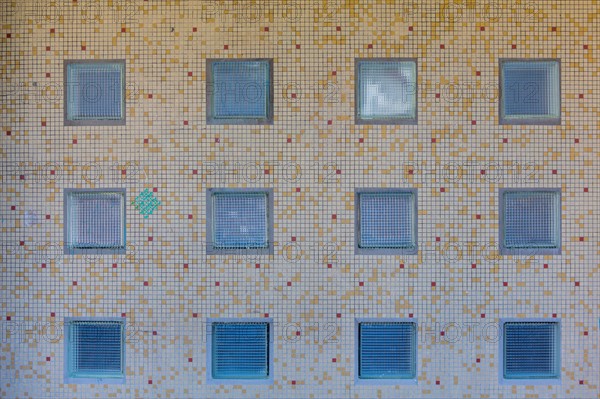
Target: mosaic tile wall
(313,156)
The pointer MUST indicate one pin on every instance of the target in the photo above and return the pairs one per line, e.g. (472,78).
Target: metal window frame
(210,84)
(527,251)
(66,223)
(357,93)
(67,373)
(94,122)
(384,381)
(503,380)
(540,120)
(211,249)
(245,381)
(358,250)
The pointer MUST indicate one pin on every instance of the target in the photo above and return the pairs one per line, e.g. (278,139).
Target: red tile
(505,284)
(580,95)
(401,265)
(514,46)
(576,283)
(194,29)
(438,239)
(8,318)
(123,171)
(477,73)
(585,333)
(114,265)
(329,265)
(338,315)
(585,47)
(576,141)
(585,189)
(338,28)
(154,189)
(483,315)
(581,238)
(289,283)
(145,283)
(554,171)
(289,139)
(150,238)
(554,315)
(150,382)
(437,382)
(52,30)
(554,29)
(190,359)
(74,141)
(185,123)
(266,315)
(190,73)
(581,382)
(52,314)
(43,265)
(473,122)
(474,266)
(298,333)
(330,122)
(154,333)
(48,74)
(338,172)
(266,28)
(185,266)
(545,265)
(217,140)
(293,382)
(361,284)
(433,140)
(8,132)
(369,46)
(194,315)
(478,360)
(410,315)
(47,358)
(43,123)
(123,314)
(145,141)
(442,46)
(482,28)
(190,216)
(505,140)
(83,48)
(334,216)
(333,73)
(297,189)
(150,95)
(442,190)
(410,28)
(74,282)
(297,46)
(226,47)
(361,140)
(267,171)
(437,95)
(293,238)
(257,266)
(47,48)
(334,360)
(123,30)
(433,284)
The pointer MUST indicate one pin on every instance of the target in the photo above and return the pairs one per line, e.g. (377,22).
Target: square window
(239,91)
(94,93)
(529,92)
(386,221)
(239,221)
(94,221)
(530,352)
(240,350)
(386,91)
(530,222)
(386,351)
(94,350)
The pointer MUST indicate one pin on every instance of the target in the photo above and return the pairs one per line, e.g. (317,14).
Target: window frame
(67,373)
(503,380)
(210,379)
(66,225)
(359,250)
(385,381)
(528,251)
(94,122)
(211,249)
(395,120)
(527,120)
(211,119)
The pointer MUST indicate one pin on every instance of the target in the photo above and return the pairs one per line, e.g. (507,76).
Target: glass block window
(94,221)
(531,350)
(94,351)
(240,350)
(239,91)
(530,92)
(240,220)
(387,350)
(386,221)
(530,221)
(386,91)
(94,92)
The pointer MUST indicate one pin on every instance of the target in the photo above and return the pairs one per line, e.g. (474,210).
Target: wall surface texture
(313,156)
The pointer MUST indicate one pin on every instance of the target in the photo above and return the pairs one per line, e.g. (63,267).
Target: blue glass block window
(94,92)
(95,351)
(530,92)
(94,221)
(531,219)
(531,350)
(387,350)
(240,219)
(387,220)
(239,91)
(240,350)
(386,91)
